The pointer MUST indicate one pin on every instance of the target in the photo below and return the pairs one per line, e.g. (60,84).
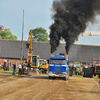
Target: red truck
(4,65)
(93,69)
(96,66)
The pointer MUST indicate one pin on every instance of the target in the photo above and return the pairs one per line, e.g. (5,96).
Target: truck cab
(43,66)
(32,65)
(58,67)
(96,66)
(93,69)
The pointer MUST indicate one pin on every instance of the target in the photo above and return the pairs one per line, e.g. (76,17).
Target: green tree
(7,34)
(40,34)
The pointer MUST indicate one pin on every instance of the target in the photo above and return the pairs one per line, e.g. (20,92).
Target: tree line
(39,34)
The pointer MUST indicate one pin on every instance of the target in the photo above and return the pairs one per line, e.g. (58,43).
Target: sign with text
(91,33)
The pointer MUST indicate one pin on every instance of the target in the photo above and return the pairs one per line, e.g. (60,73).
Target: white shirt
(19,66)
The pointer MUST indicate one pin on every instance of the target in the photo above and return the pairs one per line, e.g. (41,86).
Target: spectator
(14,68)
(20,67)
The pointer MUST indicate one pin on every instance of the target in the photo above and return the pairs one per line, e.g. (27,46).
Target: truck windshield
(57,61)
(96,62)
(34,60)
(42,62)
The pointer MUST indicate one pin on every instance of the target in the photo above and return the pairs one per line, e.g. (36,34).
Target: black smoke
(71,17)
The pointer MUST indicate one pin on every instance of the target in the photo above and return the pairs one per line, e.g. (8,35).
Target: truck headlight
(64,65)
(50,72)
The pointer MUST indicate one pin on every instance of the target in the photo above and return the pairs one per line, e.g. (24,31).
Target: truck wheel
(46,72)
(83,72)
(40,71)
(50,77)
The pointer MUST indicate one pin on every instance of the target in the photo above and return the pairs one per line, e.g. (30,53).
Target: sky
(37,13)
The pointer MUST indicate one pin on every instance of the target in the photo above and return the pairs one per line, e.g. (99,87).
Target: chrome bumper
(57,75)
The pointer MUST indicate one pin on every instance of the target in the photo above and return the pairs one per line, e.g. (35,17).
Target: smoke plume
(70,19)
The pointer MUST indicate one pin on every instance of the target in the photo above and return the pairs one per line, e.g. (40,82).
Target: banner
(1,28)
(91,33)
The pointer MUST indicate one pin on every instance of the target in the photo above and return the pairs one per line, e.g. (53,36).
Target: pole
(22,39)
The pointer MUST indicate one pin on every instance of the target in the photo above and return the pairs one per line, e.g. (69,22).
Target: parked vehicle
(5,65)
(43,66)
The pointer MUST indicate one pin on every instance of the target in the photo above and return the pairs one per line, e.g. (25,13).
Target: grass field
(10,71)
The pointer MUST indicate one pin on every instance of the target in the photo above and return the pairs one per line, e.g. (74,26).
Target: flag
(1,28)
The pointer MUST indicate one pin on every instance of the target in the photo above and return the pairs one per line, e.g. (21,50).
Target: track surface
(41,88)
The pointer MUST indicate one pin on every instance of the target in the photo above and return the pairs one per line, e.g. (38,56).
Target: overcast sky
(37,13)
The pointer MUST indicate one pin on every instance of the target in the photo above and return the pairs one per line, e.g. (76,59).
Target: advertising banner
(91,33)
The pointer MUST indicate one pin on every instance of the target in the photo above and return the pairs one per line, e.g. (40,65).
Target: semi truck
(58,66)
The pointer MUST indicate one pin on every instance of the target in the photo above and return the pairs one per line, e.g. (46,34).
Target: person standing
(14,68)
(20,67)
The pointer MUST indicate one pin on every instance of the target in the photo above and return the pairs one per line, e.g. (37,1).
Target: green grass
(10,71)
(80,76)
(43,74)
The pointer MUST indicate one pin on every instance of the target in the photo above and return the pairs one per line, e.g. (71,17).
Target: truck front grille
(57,69)
(97,69)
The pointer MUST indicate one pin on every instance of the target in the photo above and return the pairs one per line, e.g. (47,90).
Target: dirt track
(41,88)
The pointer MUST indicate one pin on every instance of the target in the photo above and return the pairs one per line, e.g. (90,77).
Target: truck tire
(40,71)
(50,77)
(83,72)
(91,72)
(86,72)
